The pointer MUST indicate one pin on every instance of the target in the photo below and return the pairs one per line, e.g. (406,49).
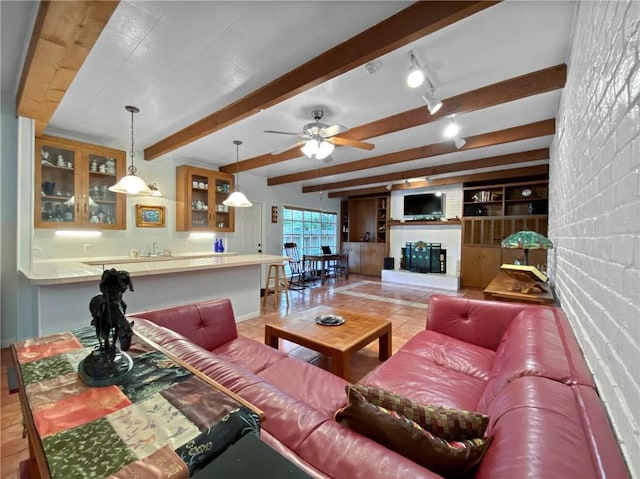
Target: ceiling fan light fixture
(432,101)
(325,148)
(416,76)
(310,148)
(237,199)
(131,184)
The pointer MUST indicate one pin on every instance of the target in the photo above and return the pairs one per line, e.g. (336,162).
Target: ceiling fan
(319,139)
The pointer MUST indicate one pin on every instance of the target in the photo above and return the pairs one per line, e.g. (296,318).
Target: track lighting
(433,102)
(452,129)
(459,142)
(415,78)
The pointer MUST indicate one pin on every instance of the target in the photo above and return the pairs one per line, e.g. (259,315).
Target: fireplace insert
(421,257)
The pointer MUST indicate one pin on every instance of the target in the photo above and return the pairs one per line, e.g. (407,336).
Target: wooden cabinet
(366,258)
(71,185)
(199,196)
(479,266)
(493,212)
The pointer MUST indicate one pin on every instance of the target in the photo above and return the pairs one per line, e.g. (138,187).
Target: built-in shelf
(393,223)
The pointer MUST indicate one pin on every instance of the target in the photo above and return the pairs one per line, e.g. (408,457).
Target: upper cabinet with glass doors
(72,181)
(199,196)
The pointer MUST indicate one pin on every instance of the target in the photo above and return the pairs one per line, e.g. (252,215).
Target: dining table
(324,260)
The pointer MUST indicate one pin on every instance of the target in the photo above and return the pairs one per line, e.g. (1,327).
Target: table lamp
(527,240)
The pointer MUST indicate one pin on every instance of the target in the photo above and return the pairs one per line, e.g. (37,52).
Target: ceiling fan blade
(336,140)
(282,132)
(334,130)
(282,150)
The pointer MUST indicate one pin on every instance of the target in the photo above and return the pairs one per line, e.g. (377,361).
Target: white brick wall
(594,218)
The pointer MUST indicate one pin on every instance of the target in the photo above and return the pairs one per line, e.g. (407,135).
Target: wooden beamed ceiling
(522,132)
(412,23)
(527,171)
(523,86)
(63,35)
(493,161)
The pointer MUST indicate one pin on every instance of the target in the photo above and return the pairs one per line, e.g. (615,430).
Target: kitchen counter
(78,270)
(61,289)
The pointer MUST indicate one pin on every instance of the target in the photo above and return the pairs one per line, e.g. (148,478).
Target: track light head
(432,101)
(452,129)
(416,76)
(460,142)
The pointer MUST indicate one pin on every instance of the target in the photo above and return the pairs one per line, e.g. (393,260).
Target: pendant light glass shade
(131,184)
(237,199)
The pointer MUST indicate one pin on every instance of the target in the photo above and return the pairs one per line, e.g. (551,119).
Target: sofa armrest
(474,321)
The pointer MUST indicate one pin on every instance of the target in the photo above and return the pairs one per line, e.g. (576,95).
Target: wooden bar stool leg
(267,285)
(283,277)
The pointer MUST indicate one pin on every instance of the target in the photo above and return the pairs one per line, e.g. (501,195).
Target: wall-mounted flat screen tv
(427,205)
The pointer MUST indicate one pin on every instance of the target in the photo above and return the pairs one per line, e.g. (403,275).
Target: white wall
(449,235)
(594,218)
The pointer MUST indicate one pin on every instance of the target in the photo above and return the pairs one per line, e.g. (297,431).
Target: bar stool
(277,273)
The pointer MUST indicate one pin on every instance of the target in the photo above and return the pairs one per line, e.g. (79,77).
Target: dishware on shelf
(48,187)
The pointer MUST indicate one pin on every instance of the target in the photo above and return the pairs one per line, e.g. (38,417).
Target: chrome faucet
(154,249)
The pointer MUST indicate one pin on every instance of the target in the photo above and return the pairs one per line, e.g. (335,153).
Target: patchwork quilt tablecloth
(162,421)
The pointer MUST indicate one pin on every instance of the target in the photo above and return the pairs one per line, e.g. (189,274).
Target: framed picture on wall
(150,216)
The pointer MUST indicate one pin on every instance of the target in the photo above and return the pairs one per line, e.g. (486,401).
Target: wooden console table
(164,419)
(505,288)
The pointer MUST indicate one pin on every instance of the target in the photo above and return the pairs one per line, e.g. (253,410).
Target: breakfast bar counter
(63,288)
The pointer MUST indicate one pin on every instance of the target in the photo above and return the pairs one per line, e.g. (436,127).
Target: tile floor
(404,306)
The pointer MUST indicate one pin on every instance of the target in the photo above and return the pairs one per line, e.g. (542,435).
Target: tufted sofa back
(474,321)
(208,324)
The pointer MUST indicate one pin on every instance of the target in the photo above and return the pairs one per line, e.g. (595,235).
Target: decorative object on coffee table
(527,240)
(107,365)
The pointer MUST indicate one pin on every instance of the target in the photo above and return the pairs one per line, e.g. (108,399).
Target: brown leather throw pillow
(447,423)
(451,459)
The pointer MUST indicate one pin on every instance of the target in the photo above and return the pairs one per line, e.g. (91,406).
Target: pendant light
(131,184)
(237,198)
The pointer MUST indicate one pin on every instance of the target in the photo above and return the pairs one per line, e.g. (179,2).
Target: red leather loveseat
(519,364)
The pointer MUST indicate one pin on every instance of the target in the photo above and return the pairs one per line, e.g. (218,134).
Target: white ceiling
(179,61)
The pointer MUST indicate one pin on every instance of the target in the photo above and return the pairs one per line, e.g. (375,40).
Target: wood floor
(404,306)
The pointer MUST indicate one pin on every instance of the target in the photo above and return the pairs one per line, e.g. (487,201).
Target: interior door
(248,232)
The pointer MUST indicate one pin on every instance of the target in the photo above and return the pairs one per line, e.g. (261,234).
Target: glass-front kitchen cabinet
(71,185)
(199,196)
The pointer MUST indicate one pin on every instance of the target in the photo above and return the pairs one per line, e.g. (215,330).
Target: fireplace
(421,257)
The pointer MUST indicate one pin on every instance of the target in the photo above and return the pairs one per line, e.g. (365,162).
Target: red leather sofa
(520,364)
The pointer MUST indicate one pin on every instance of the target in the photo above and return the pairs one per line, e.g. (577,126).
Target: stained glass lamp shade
(527,240)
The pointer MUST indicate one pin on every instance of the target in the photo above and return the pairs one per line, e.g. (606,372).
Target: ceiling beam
(527,171)
(535,83)
(63,35)
(412,23)
(522,132)
(489,162)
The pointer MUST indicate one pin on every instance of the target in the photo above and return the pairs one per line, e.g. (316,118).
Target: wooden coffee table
(337,342)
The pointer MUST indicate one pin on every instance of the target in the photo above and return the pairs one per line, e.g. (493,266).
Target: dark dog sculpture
(105,366)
